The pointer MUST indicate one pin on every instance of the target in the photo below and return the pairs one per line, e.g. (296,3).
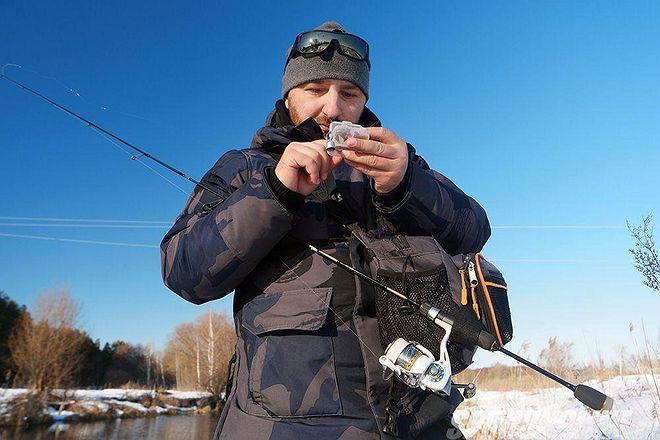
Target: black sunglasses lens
(350,52)
(312,44)
(353,47)
(318,41)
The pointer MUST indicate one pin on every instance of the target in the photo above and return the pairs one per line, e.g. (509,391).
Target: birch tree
(197,352)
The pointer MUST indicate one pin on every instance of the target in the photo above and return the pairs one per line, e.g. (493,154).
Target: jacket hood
(280,130)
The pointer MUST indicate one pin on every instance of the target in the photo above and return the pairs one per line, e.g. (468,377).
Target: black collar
(309,127)
(280,130)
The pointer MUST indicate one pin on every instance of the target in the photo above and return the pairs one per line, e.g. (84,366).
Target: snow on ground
(7,395)
(551,413)
(95,404)
(128,394)
(102,401)
(188,394)
(135,406)
(107,394)
(554,413)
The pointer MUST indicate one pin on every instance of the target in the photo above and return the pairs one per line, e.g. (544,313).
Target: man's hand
(384,157)
(304,165)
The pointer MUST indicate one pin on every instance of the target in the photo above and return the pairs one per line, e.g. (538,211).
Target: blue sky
(546,112)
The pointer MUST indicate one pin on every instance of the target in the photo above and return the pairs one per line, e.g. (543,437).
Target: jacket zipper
(473,284)
(463,287)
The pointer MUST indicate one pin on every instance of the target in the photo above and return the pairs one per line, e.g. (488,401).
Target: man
(308,345)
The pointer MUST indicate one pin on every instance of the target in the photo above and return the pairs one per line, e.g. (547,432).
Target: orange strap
(475,305)
(487,295)
(463,288)
(488,283)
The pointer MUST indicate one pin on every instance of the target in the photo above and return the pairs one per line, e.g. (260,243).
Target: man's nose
(332,105)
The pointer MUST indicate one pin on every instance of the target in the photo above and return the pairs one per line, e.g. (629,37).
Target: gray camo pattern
(302,369)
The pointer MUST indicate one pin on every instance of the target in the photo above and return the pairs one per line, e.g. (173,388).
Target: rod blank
(594,399)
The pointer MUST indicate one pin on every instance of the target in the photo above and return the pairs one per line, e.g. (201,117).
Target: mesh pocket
(395,320)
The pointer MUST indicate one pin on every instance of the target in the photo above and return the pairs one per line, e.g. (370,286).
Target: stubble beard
(297,119)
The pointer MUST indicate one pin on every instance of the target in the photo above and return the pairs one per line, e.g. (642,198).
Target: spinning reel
(415,366)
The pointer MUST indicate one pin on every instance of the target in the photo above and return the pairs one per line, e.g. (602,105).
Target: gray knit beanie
(300,70)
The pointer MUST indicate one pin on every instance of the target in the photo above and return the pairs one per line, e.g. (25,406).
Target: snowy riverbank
(512,415)
(19,406)
(553,413)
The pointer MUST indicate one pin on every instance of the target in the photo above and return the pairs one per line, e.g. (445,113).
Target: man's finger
(371,172)
(316,152)
(367,160)
(319,147)
(382,134)
(369,146)
(309,159)
(334,161)
(312,168)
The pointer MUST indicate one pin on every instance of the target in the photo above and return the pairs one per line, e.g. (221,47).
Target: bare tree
(45,345)
(181,353)
(197,358)
(198,352)
(148,354)
(645,252)
(209,351)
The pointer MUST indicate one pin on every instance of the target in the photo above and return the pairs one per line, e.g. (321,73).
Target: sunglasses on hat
(316,42)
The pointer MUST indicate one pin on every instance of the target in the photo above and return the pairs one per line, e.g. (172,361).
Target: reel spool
(416,366)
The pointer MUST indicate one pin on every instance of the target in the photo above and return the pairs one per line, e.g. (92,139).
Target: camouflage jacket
(308,344)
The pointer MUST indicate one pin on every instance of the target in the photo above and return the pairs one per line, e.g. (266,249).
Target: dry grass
(499,432)
(641,357)
(557,359)
(506,378)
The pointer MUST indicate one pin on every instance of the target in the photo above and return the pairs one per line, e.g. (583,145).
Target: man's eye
(315,91)
(350,95)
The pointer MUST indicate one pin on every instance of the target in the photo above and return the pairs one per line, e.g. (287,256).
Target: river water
(179,427)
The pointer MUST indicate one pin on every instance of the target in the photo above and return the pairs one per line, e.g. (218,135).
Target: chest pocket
(290,354)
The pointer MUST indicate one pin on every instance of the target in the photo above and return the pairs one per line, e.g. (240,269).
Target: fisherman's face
(326,101)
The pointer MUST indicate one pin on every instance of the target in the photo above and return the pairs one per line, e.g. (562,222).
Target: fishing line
(86,220)
(168,223)
(62,225)
(114,137)
(73,240)
(74,92)
(143,224)
(207,207)
(550,260)
(93,126)
(137,158)
(560,227)
(587,395)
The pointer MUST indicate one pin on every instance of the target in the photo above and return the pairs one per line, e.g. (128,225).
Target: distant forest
(43,348)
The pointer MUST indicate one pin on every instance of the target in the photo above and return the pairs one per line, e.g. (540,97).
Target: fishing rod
(466,328)
(102,130)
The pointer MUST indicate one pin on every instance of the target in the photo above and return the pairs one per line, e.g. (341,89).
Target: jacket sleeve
(216,242)
(431,203)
